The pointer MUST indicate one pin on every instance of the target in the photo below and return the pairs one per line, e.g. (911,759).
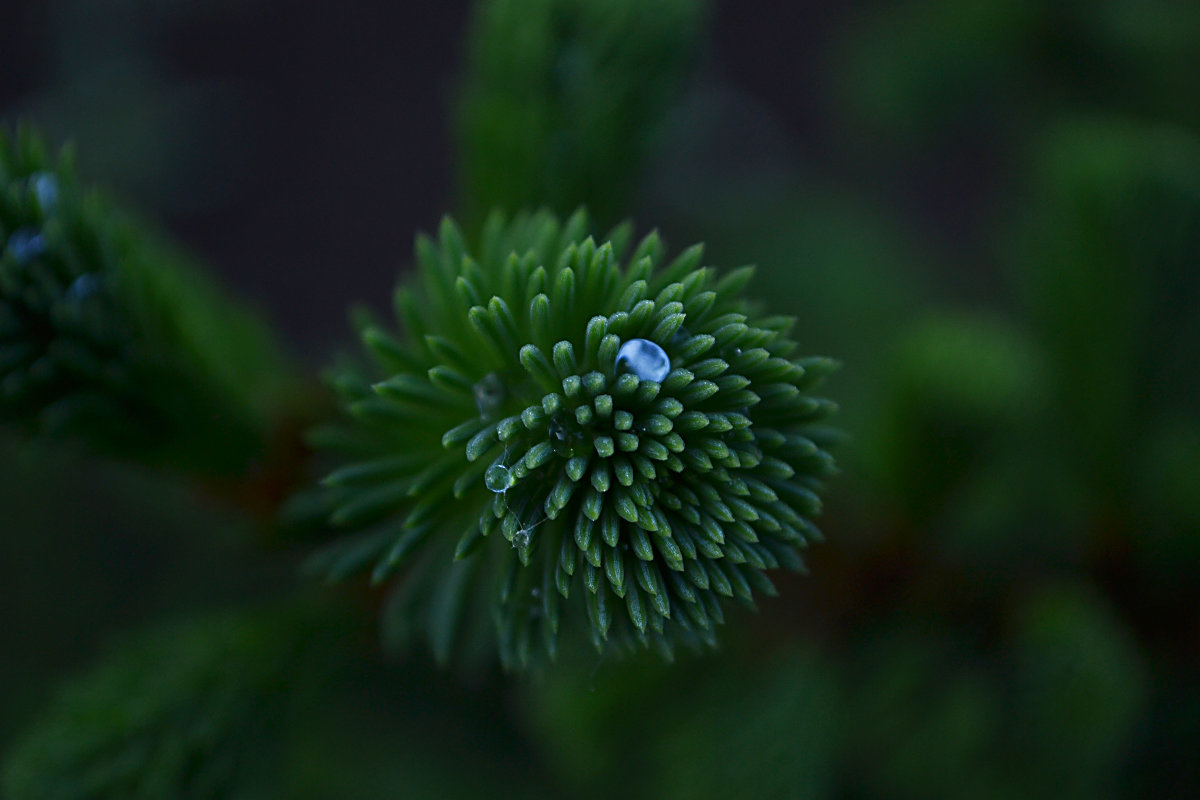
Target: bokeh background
(988,210)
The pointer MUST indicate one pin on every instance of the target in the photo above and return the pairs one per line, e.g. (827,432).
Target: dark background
(298,152)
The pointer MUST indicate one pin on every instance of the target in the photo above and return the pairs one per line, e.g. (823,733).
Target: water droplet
(645,359)
(25,245)
(45,189)
(86,285)
(521,538)
(498,478)
(489,394)
(561,438)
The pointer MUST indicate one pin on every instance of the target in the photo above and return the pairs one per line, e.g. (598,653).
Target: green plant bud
(109,336)
(579,454)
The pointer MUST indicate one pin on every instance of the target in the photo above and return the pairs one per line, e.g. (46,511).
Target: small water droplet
(86,285)
(645,359)
(561,438)
(45,189)
(26,244)
(498,478)
(521,538)
(535,592)
(489,394)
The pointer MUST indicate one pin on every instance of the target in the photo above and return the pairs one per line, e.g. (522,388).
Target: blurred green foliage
(1006,603)
(1107,263)
(562,99)
(188,712)
(926,72)
(107,334)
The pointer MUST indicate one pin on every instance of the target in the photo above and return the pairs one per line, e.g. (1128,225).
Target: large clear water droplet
(521,538)
(498,478)
(25,244)
(490,394)
(645,359)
